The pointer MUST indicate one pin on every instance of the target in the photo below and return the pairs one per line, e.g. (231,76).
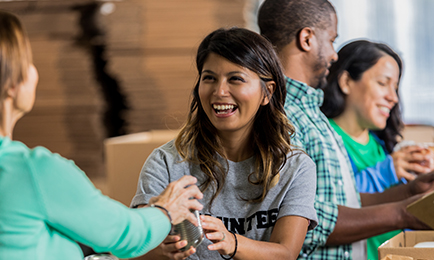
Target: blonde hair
(15,52)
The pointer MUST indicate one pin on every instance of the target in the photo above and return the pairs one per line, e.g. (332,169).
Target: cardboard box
(403,245)
(125,156)
(423,209)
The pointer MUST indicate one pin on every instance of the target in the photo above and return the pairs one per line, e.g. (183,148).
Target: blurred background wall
(109,68)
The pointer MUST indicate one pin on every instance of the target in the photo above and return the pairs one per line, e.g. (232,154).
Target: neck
(349,124)
(293,62)
(237,146)
(8,118)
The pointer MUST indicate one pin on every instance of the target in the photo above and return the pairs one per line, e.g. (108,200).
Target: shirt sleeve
(376,178)
(326,208)
(154,178)
(75,208)
(300,196)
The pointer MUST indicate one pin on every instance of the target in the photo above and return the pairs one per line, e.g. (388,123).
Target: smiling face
(371,98)
(230,95)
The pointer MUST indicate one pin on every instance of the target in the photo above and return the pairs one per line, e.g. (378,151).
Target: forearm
(354,224)
(285,242)
(249,249)
(155,254)
(393,194)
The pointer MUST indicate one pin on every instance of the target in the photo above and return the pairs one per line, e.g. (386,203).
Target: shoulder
(39,154)
(166,152)
(38,162)
(299,157)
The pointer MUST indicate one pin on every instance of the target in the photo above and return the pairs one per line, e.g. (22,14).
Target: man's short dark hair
(280,21)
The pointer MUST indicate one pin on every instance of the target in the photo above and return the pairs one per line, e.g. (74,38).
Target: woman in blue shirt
(362,104)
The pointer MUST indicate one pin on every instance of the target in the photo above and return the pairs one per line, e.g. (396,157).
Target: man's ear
(305,38)
(344,81)
(270,86)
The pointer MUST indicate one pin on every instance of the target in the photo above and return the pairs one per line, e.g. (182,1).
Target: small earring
(345,91)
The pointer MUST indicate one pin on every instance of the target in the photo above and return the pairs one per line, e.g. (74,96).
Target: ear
(12,91)
(344,81)
(305,38)
(270,86)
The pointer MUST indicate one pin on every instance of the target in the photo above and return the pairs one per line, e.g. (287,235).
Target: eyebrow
(230,73)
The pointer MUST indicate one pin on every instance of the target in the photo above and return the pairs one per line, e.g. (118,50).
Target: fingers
(182,255)
(218,236)
(194,204)
(416,167)
(194,192)
(186,180)
(406,175)
(176,198)
(173,247)
(215,231)
(173,250)
(412,149)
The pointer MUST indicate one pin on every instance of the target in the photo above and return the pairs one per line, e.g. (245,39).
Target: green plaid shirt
(312,134)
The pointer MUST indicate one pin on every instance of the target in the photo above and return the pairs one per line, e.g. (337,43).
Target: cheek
(202,94)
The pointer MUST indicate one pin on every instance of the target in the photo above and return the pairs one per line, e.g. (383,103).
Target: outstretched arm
(354,224)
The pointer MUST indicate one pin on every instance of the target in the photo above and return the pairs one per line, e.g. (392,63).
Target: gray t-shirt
(293,195)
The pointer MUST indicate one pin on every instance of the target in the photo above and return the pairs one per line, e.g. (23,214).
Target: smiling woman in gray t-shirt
(258,189)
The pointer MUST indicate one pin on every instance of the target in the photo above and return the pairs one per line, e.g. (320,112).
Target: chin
(378,127)
(322,83)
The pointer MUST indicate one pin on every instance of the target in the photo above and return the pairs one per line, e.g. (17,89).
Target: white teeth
(385,109)
(223,107)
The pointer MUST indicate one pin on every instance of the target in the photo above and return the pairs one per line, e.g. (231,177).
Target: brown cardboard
(397,257)
(125,156)
(423,209)
(402,245)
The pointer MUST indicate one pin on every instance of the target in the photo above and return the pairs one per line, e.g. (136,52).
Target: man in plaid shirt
(303,32)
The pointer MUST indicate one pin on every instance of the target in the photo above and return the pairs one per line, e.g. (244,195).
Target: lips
(224,109)
(384,110)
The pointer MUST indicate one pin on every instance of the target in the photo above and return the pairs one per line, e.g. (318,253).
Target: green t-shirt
(363,156)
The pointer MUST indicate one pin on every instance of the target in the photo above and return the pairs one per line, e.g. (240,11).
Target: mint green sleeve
(74,207)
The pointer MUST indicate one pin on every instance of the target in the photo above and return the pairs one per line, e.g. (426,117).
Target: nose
(221,88)
(334,56)
(393,95)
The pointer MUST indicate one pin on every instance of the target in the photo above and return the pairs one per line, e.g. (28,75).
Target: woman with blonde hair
(46,202)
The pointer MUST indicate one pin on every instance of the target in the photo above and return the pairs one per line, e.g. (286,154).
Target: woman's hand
(412,160)
(171,245)
(179,198)
(215,230)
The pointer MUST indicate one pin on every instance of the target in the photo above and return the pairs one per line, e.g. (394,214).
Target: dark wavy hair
(198,141)
(356,58)
(280,21)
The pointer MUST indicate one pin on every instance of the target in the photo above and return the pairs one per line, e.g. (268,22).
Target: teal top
(47,203)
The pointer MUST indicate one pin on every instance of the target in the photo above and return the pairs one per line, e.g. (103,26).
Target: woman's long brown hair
(198,142)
